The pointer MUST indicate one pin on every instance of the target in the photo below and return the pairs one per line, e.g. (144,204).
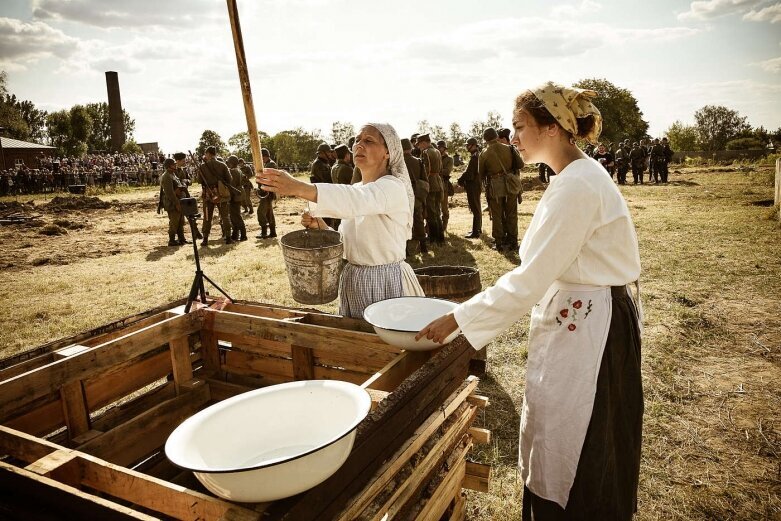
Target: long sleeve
(564,220)
(384,196)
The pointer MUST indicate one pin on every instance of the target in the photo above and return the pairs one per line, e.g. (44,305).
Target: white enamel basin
(273,442)
(398,320)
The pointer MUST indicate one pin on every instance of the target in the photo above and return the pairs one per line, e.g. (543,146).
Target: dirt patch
(62,204)
(532,183)
(52,229)
(767,203)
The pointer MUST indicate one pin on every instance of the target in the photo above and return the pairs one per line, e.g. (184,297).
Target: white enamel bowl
(398,320)
(271,443)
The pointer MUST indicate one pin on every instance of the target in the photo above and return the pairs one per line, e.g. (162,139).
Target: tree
(341,132)
(59,129)
(745,143)
(621,115)
(81,124)
(100,137)
(682,137)
(716,125)
(34,118)
(297,146)
(239,144)
(131,147)
(456,137)
(210,138)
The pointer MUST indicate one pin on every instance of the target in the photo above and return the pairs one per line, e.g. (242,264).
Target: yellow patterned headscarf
(566,104)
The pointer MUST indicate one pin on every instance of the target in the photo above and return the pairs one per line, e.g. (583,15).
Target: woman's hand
(282,183)
(313,223)
(439,329)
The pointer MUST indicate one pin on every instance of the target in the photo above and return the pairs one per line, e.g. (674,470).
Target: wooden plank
(249,364)
(459,508)
(41,419)
(47,464)
(210,351)
(263,311)
(139,437)
(337,322)
(71,350)
(397,370)
(433,460)
(480,436)
(444,495)
(23,446)
(181,364)
(479,401)
(315,337)
(26,495)
(410,447)
(220,391)
(26,366)
(74,408)
(478,476)
(303,363)
(333,373)
(382,433)
(20,390)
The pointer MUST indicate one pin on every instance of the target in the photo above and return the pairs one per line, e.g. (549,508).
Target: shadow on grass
(158,252)
(502,418)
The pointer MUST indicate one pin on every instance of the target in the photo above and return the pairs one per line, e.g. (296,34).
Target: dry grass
(712,341)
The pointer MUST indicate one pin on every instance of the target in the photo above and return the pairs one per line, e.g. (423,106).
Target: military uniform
(432,160)
(341,173)
(637,160)
(246,186)
(497,165)
(170,185)
(266,219)
(667,153)
(320,171)
(447,189)
(215,172)
(622,164)
(417,175)
(657,158)
(472,184)
(237,200)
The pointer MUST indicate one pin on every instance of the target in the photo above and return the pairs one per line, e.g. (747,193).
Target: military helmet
(323,147)
(471,141)
(406,144)
(490,134)
(169,162)
(441,144)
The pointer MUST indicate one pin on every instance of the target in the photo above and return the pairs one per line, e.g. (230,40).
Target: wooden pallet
(83,422)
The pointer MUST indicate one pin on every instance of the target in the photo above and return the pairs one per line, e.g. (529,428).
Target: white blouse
(374,219)
(581,233)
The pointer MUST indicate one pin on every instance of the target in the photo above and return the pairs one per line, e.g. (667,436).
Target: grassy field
(711,254)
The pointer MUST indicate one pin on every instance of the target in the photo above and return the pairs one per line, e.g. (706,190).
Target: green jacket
(495,166)
(447,166)
(417,176)
(341,173)
(432,161)
(320,171)
(213,171)
(169,182)
(237,196)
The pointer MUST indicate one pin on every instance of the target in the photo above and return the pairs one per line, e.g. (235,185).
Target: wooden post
(777,199)
(249,109)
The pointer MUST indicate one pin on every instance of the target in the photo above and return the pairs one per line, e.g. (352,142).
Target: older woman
(376,219)
(581,418)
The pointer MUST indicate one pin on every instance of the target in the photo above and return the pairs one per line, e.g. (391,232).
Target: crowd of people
(54,173)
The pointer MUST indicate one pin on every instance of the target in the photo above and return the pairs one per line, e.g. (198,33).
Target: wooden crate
(83,420)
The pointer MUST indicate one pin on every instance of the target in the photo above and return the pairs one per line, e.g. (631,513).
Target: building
(15,153)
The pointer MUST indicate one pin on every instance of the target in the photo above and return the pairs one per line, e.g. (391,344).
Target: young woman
(376,219)
(581,419)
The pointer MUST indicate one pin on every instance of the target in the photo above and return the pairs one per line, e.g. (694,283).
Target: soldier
(414,140)
(497,165)
(622,163)
(216,193)
(472,184)
(504,136)
(172,189)
(432,161)
(447,186)
(266,219)
(645,148)
(419,180)
(237,199)
(636,160)
(342,172)
(320,169)
(350,143)
(656,160)
(668,156)
(246,186)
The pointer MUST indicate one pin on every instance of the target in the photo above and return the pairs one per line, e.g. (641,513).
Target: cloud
(710,9)
(772,65)
(571,10)
(31,41)
(771,13)
(135,14)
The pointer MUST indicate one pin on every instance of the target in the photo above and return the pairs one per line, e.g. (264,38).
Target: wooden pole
(246,92)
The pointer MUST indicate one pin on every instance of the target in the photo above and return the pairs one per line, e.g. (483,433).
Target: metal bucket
(313,259)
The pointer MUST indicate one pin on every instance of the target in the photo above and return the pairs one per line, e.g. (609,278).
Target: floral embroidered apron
(567,337)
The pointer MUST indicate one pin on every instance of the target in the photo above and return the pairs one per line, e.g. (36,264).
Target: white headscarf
(396,165)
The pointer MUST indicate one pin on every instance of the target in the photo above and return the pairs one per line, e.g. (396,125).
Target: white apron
(567,338)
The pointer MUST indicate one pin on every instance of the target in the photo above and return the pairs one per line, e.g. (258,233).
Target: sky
(314,62)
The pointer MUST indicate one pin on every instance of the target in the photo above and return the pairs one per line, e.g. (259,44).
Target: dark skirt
(605,486)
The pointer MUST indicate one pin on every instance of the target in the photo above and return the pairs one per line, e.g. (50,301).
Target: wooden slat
(20,390)
(410,447)
(40,419)
(210,351)
(394,372)
(480,436)
(444,495)
(74,408)
(263,311)
(479,401)
(220,391)
(51,462)
(303,363)
(133,440)
(478,476)
(249,364)
(333,373)
(181,364)
(459,508)
(26,495)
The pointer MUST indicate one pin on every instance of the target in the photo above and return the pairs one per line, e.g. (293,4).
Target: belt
(497,175)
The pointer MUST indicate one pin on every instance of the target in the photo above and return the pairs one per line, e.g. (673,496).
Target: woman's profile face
(526,137)
(369,150)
